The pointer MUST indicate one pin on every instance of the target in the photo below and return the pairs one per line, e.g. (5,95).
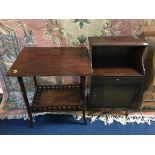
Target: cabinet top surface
(51,61)
(117,41)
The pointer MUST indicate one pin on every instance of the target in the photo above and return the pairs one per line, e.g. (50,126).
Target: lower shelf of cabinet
(57,98)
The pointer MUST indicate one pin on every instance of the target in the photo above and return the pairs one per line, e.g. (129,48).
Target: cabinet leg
(126,113)
(84,117)
(30,121)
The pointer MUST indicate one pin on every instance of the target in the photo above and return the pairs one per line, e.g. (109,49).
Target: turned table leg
(83,97)
(35,81)
(22,87)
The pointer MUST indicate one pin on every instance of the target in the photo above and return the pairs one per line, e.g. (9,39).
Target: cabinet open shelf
(115,71)
(56,98)
(117,60)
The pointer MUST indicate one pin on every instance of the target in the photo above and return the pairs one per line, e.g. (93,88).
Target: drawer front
(117,80)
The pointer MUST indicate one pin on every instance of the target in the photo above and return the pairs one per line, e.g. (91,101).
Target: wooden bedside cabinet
(118,72)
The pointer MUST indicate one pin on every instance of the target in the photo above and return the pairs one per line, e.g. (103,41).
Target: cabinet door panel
(113,95)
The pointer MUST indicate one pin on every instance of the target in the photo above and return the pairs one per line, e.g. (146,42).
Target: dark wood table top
(51,61)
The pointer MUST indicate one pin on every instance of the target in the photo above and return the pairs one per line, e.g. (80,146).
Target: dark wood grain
(57,98)
(121,40)
(28,108)
(118,72)
(35,81)
(114,71)
(51,61)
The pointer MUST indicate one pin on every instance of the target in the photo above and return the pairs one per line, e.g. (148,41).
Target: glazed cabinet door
(114,92)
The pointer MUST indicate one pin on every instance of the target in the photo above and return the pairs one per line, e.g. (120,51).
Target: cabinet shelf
(116,71)
(56,98)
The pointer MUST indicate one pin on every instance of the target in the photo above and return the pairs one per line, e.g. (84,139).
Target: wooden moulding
(115,71)
(118,41)
(57,98)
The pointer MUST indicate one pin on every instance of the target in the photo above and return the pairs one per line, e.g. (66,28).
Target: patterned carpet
(133,117)
(17,33)
(66,125)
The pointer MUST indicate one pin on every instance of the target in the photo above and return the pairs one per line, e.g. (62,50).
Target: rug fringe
(106,119)
(109,119)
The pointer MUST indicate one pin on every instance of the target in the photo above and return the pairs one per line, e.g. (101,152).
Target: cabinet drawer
(117,80)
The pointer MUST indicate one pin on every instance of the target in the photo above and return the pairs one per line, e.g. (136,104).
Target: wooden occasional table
(53,61)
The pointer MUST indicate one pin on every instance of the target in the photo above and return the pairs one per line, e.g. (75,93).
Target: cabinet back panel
(110,56)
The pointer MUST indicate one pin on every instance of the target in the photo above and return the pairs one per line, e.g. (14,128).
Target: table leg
(83,97)
(84,116)
(35,81)
(22,87)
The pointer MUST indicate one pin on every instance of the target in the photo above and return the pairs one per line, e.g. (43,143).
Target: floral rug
(107,119)
(17,33)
